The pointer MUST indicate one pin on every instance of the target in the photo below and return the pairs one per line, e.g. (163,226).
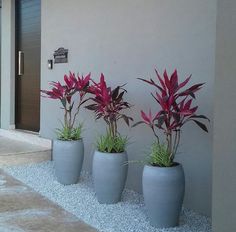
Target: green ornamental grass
(111,144)
(159,155)
(68,134)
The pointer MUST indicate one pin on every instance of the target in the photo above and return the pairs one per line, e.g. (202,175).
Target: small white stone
(126,216)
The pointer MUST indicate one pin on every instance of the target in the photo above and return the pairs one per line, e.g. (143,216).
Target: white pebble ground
(126,216)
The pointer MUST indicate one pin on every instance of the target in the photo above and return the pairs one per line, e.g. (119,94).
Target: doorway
(28,49)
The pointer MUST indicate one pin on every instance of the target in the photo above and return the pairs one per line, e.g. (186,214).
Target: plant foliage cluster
(109,105)
(176,108)
(65,92)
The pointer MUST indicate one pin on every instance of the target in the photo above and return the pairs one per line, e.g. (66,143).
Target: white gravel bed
(80,200)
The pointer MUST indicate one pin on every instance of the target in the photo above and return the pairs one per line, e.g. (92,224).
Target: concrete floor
(15,152)
(9,147)
(21,208)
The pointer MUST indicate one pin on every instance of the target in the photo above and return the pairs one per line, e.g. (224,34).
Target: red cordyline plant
(64,92)
(176,109)
(109,104)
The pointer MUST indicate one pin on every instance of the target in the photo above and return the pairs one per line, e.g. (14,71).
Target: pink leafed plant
(64,92)
(175,110)
(109,104)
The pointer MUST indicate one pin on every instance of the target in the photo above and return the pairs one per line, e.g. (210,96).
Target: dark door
(28,46)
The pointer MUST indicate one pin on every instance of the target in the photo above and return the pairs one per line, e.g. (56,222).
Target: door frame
(8,65)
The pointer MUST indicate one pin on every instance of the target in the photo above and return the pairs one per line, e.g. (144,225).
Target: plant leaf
(126,119)
(63,102)
(92,107)
(160,120)
(151,82)
(160,80)
(201,125)
(119,98)
(115,92)
(137,123)
(145,117)
(176,117)
(200,116)
(181,85)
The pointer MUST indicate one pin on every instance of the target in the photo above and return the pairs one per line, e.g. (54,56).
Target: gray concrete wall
(8,64)
(127,39)
(224,159)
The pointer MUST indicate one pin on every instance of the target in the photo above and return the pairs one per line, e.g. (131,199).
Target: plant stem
(110,127)
(77,112)
(70,118)
(75,115)
(158,140)
(178,141)
(115,127)
(65,116)
(170,144)
(175,142)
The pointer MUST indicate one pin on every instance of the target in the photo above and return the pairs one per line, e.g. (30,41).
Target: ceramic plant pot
(163,190)
(109,176)
(68,159)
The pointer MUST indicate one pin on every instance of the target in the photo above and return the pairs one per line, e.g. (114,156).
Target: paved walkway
(14,152)
(21,208)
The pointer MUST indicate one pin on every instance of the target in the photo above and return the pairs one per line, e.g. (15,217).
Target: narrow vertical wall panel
(0,54)
(224,158)
(8,65)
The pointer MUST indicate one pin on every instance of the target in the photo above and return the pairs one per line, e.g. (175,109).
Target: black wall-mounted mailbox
(61,56)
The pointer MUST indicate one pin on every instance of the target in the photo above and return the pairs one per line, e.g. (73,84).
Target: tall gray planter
(163,190)
(109,176)
(68,159)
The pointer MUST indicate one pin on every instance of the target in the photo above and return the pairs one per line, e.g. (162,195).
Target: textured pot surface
(68,158)
(163,190)
(109,176)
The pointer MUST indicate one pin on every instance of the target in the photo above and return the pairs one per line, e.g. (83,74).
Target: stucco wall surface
(125,40)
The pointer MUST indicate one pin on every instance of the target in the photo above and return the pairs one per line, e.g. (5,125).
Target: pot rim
(112,153)
(60,140)
(175,166)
